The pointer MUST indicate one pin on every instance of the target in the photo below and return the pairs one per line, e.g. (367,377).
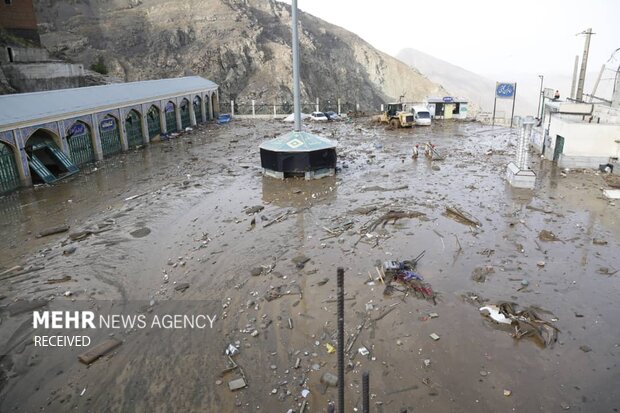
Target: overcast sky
(484,36)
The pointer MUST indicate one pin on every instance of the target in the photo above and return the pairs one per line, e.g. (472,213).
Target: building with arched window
(45,136)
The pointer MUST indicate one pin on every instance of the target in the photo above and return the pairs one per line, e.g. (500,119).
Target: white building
(579,135)
(447,107)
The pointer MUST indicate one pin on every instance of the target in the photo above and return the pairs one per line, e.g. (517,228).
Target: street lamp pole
(540,97)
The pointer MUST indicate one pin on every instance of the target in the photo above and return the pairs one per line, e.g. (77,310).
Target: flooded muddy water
(166,229)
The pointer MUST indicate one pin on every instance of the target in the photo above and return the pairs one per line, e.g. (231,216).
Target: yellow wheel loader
(396,116)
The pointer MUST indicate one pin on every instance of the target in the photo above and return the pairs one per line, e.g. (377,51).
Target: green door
(185,115)
(197,111)
(153,122)
(38,168)
(133,127)
(559,147)
(80,144)
(9,176)
(110,136)
(171,118)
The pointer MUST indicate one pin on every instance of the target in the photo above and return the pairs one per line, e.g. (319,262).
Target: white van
(421,115)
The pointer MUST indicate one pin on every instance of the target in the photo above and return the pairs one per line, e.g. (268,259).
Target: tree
(99,66)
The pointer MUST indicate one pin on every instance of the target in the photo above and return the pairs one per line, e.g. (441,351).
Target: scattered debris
(181,287)
(279,218)
(390,216)
(23,306)
(526,322)
(585,349)
(135,196)
(403,273)
(493,311)
(382,189)
(281,290)
(480,273)
(598,241)
(546,235)
(431,152)
(69,250)
(53,230)
(237,384)
(59,280)
(140,232)
(329,379)
(300,261)
(507,393)
(99,350)
(464,217)
(254,210)
(434,336)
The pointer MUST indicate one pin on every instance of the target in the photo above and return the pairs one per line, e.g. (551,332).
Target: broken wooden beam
(99,350)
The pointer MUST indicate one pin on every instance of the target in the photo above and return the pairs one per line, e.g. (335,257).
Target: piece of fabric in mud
(526,322)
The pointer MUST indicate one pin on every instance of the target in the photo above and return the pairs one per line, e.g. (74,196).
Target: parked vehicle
(396,116)
(320,116)
(421,115)
(331,115)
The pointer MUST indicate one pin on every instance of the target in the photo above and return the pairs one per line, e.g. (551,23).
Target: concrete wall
(586,145)
(34,77)
(24,54)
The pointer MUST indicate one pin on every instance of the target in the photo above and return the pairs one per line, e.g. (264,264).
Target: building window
(10,51)
(8,2)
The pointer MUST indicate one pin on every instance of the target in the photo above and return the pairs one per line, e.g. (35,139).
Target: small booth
(447,107)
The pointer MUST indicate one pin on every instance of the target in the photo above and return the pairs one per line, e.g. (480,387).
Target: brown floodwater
(176,210)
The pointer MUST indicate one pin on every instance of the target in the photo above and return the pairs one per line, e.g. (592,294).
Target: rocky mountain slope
(243,45)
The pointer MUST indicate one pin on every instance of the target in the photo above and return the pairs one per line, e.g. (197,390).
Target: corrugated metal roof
(297,142)
(32,107)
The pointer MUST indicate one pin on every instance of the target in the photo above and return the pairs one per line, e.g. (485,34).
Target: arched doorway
(171,117)
(47,162)
(207,110)
(197,109)
(153,122)
(9,175)
(215,106)
(133,127)
(80,143)
(110,136)
(185,122)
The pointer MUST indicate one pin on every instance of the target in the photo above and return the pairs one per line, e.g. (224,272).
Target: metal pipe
(296,92)
(340,292)
(366,392)
(540,96)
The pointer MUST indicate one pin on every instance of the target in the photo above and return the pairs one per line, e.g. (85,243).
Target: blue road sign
(504,90)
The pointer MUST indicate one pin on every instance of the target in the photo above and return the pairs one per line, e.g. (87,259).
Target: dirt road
(176,212)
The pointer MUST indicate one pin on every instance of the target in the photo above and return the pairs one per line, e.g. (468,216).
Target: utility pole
(598,80)
(540,96)
(584,65)
(574,82)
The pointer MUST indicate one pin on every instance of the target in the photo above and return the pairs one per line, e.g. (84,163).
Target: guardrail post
(253,110)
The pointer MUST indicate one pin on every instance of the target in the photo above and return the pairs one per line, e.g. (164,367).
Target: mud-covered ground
(176,212)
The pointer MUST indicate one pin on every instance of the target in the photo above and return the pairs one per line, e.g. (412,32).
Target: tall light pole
(540,97)
(296,86)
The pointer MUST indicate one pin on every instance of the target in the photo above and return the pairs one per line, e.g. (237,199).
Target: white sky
(484,36)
